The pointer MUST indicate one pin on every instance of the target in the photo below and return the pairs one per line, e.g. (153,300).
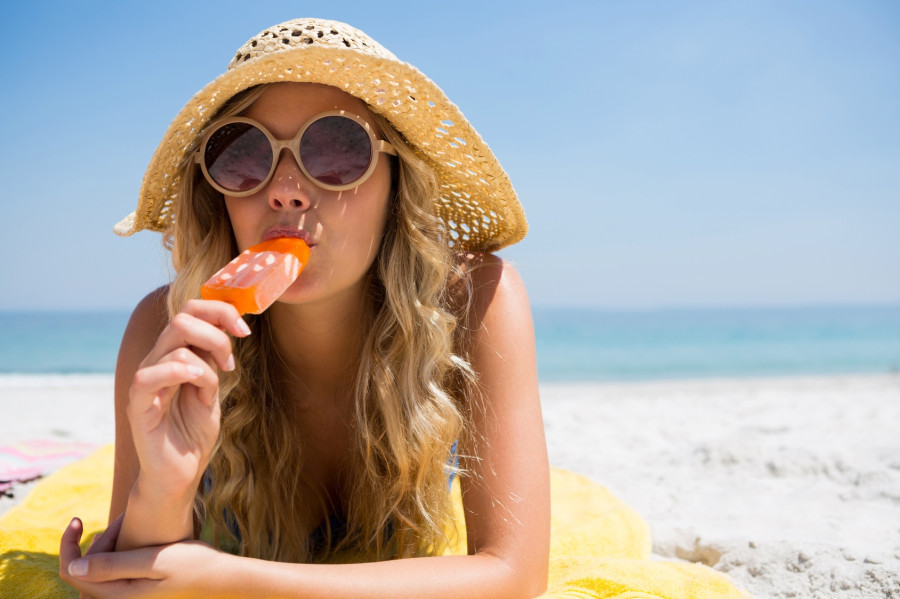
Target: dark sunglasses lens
(336,150)
(238,156)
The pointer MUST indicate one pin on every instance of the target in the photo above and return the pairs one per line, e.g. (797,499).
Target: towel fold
(600,547)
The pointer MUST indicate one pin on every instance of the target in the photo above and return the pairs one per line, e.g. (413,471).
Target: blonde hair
(410,400)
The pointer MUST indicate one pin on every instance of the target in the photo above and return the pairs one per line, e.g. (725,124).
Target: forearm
(470,576)
(152,518)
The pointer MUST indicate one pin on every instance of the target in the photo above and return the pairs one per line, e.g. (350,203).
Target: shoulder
(147,321)
(493,287)
(494,305)
(152,310)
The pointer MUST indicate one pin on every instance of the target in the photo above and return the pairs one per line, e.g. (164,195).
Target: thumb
(107,567)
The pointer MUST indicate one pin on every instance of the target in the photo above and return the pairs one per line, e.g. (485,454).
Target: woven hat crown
(477,203)
(307,32)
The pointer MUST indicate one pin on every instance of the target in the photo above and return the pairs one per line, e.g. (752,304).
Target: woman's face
(343,228)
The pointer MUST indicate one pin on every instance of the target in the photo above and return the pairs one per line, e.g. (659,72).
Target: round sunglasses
(337,150)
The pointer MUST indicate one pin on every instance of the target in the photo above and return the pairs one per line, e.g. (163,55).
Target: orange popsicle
(259,275)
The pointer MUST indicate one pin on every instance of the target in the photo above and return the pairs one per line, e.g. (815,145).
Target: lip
(276,232)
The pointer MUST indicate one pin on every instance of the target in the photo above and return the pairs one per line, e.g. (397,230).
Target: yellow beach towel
(600,547)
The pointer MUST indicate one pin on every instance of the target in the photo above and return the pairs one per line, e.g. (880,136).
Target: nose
(288,189)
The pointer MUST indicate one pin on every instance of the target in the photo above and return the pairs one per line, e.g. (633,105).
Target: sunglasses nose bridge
(287,188)
(278,148)
(279,145)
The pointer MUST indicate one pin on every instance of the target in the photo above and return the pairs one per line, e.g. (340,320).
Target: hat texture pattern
(477,203)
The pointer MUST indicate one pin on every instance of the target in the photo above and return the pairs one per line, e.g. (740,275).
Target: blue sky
(668,154)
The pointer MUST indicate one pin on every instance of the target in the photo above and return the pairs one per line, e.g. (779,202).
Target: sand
(790,486)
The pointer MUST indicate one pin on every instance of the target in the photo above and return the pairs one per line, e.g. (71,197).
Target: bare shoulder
(149,318)
(496,291)
(147,321)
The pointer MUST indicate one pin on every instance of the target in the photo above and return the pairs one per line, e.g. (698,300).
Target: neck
(320,342)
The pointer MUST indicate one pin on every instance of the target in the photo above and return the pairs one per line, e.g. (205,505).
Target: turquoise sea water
(572,344)
(590,345)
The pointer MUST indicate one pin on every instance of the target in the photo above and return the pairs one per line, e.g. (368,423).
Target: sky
(667,154)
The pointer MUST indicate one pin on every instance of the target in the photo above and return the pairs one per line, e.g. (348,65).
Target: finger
(151,383)
(120,565)
(208,383)
(69,550)
(106,540)
(221,314)
(115,527)
(187,330)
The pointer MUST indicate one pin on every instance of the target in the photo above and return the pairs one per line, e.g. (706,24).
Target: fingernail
(78,567)
(195,371)
(229,365)
(242,326)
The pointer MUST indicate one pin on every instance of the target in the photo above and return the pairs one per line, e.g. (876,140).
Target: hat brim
(477,202)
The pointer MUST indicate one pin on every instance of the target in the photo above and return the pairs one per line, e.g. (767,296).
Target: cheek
(380,211)
(365,230)
(371,209)
(239,214)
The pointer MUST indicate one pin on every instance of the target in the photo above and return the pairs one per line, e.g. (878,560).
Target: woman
(326,429)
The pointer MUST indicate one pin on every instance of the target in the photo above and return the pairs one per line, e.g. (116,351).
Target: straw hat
(477,202)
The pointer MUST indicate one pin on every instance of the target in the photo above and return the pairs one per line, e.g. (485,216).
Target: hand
(173,407)
(70,550)
(187,569)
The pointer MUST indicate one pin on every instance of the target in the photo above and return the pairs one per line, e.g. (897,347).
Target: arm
(167,415)
(144,327)
(507,509)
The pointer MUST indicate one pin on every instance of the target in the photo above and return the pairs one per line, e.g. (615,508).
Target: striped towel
(32,459)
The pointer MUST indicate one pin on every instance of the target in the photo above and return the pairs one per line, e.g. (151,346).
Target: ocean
(575,345)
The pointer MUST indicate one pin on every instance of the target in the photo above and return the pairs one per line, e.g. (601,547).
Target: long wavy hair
(411,398)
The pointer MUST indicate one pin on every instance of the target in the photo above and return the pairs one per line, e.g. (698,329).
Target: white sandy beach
(790,486)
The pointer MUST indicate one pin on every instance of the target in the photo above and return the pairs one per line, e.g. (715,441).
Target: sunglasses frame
(377,145)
